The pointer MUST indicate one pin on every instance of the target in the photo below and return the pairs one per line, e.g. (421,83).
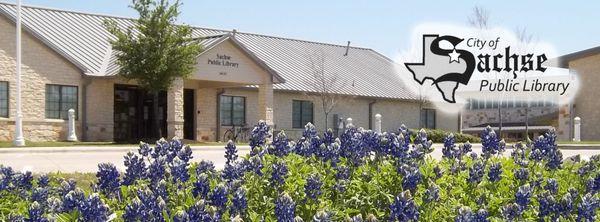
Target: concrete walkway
(86,159)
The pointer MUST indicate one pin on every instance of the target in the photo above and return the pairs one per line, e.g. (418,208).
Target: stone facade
(41,66)
(586,102)
(175,109)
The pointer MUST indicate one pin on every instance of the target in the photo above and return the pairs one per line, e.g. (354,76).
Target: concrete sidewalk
(123,149)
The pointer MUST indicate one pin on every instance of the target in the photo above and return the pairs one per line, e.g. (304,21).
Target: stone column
(175,109)
(265,104)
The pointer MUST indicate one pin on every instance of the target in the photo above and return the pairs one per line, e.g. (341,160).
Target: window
(233,110)
(428,118)
(59,99)
(3,99)
(302,113)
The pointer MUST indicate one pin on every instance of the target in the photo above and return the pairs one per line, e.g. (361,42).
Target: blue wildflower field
(360,176)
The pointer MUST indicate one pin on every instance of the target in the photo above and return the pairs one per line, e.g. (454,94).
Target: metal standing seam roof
(82,39)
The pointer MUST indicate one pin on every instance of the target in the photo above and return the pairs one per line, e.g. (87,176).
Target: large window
(302,113)
(59,99)
(3,99)
(428,118)
(233,110)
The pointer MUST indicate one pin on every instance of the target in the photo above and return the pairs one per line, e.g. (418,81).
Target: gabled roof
(82,39)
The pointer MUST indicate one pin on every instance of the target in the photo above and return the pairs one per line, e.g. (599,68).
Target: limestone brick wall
(41,66)
(586,101)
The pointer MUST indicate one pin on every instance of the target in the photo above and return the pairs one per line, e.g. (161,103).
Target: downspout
(84,127)
(220,92)
(371,113)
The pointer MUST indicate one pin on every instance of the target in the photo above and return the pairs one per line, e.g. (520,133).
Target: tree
(327,87)
(154,51)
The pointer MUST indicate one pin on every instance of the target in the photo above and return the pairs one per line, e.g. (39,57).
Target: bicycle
(236,133)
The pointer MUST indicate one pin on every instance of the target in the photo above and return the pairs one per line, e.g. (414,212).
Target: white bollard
(72,135)
(577,129)
(349,122)
(378,123)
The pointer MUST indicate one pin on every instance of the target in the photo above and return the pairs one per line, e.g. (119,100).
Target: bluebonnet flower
(280,146)
(40,195)
(545,148)
(322,216)
(521,174)
(259,134)
(23,180)
(465,214)
(185,154)
(421,139)
(146,206)
(342,173)
(157,169)
(432,194)
(551,185)
(54,205)
(73,199)
(481,216)
(278,173)
(328,137)
(181,216)
(511,211)
(285,208)
(586,209)
(108,178)
(179,170)
(144,149)
(490,143)
(495,172)
(43,180)
(160,149)
(93,209)
(218,197)
(135,168)
(66,186)
(313,185)
(256,165)
(449,146)
(523,194)
(519,155)
(201,186)
(476,172)
(356,218)
(231,172)
(230,152)
(565,207)
(198,212)
(160,189)
(351,145)
(205,166)
(332,152)
(371,140)
(239,202)
(404,208)
(411,176)
(36,213)
(547,205)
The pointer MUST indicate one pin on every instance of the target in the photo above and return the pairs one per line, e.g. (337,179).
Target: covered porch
(194,105)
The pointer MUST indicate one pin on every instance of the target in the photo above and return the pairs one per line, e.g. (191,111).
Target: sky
(384,26)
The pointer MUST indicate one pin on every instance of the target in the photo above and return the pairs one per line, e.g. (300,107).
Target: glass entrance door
(134,114)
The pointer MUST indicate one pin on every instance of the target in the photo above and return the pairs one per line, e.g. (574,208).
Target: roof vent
(347,49)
